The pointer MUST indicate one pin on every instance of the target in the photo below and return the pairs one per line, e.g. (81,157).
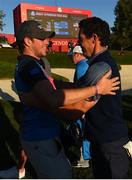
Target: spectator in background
(81,63)
(50,46)
(60,48)
(122,52)
(70,46)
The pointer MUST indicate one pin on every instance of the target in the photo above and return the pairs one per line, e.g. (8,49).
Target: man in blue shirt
(82,66)
(80,62)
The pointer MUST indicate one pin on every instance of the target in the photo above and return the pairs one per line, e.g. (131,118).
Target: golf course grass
(8,60)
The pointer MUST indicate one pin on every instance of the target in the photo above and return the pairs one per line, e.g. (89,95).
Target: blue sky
(101,8)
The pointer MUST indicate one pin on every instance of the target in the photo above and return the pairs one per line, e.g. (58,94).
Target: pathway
(8,92)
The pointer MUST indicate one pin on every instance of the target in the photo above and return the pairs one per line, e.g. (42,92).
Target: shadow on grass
(9,133)
(10,113)
(127,92)
(6,96)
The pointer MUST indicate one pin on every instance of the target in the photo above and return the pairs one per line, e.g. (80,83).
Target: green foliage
(3,39)
(122,30)
(2,15)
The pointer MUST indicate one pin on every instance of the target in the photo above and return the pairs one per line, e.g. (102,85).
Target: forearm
(64,85)
(61,97)
(74,111)
(75,95)
(68,114)
(71,111)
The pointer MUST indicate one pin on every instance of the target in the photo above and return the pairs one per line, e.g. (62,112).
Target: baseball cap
(32,29)
(77,49)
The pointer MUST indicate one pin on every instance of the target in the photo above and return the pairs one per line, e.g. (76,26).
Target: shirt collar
(92,58)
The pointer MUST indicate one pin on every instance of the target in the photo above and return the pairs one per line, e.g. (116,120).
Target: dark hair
(95,25)
(20,46)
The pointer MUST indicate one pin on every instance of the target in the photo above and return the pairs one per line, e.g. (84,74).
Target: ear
(94,37)
(27,41)
(93,40)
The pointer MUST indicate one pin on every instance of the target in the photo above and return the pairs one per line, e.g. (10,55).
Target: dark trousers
(109,161)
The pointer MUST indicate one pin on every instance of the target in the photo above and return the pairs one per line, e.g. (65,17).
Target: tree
(2,15)
(122,30)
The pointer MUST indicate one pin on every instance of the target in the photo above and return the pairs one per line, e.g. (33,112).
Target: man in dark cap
(42,102)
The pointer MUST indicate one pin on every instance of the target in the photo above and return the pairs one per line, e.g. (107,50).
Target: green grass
(10,112)
(60,60)
(125,59)
(58,77)
(57,60)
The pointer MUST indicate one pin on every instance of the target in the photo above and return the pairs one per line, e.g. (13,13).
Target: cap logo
(40,27)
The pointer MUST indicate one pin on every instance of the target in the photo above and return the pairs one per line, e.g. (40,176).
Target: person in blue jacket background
(81,63)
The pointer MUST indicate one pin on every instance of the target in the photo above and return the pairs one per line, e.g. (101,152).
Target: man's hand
(21,165)
(74,111)
(107,86)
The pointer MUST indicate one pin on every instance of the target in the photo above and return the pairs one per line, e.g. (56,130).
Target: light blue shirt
(81,68)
